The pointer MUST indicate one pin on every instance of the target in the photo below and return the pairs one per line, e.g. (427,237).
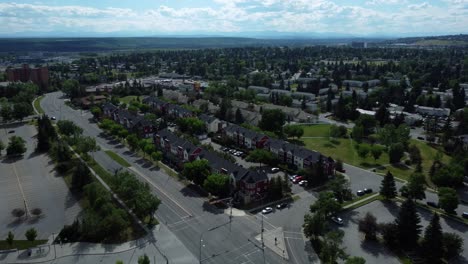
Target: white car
(303,183)
(267,210)
(275,170)
(337,220)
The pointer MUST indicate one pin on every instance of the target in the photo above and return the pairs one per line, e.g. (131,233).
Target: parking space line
(21,189)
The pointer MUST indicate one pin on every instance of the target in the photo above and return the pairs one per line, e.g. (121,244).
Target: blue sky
(232,17)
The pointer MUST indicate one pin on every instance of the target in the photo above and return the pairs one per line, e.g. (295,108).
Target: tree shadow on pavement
(391,207)
(11,160)
(373,247)
(212,209)
(193,190)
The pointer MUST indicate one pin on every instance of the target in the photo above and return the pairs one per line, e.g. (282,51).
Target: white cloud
(243,15)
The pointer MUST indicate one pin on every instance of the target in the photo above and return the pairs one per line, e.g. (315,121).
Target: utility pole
(263,244)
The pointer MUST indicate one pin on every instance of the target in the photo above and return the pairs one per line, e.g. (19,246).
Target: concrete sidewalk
(161,246)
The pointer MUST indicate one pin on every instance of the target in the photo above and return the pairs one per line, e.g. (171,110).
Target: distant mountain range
(102,44)
(448,40)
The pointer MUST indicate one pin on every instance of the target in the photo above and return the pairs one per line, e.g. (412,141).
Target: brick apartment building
(39,76)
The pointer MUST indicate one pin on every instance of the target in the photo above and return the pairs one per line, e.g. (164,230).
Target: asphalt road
(186,214)
(31,181)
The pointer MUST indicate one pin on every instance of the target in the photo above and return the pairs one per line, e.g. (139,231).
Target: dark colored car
(360,193)
(11,131)
(433,204)
(281,205)
(465,215)
(368,190)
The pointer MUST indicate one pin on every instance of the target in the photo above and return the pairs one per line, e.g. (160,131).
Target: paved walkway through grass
(360,201)
(160,241)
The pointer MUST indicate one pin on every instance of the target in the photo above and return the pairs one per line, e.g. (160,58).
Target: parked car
(337,220)
(367,190)
(11,131)
(303,183)
(281,205)
(225,149)
(53,118)
(275,170)
(267,210)
(465,215)
(292,177)
(420,138)
(360,193)
(298,179)
(433,204)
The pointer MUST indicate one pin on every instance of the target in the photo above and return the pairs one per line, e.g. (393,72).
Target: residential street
(186,214)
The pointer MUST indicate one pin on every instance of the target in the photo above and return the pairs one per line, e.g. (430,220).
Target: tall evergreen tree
(408,224)
(388,188)
(382,115)
(239,116)
(432,244)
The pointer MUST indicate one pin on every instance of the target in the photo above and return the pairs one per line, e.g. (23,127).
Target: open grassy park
(316,137)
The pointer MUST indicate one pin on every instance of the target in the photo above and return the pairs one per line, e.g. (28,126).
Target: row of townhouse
(167,109)
(134,123)
(177,151)
(293,155)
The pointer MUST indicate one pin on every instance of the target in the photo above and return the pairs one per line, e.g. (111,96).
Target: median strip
(117,158)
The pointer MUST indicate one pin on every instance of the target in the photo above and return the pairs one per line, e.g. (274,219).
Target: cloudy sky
(231,17)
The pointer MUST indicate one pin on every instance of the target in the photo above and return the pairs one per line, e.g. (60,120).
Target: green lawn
(322,130)
(128,99)
(343,149)
(117,158)
(37,104)
(21,244)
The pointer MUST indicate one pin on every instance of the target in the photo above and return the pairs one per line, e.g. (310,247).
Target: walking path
(91,252)
(360,201)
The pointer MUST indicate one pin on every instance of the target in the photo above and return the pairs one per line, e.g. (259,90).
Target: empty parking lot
(29,182)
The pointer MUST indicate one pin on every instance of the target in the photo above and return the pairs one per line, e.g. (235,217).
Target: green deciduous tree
(326,204)
(293,131)
(196,171)
(16,146)
(396,152)
(355,260)
(272,120)
(31,234)
(340,187)
(331,249)
(261,156)
(68,128)
(144,259)
(432,243)
(132,141)
(376,151)
(448,199)
(362,150)
(10,238)
(368,225)
(22,110)
(314,225)
(217,184)
(191,125)
(388,187)
(81,176)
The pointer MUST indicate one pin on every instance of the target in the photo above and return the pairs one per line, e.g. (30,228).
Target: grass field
(117,158)
(21,244)
(322,130)
(37,104)
(344,150)
(128,99)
